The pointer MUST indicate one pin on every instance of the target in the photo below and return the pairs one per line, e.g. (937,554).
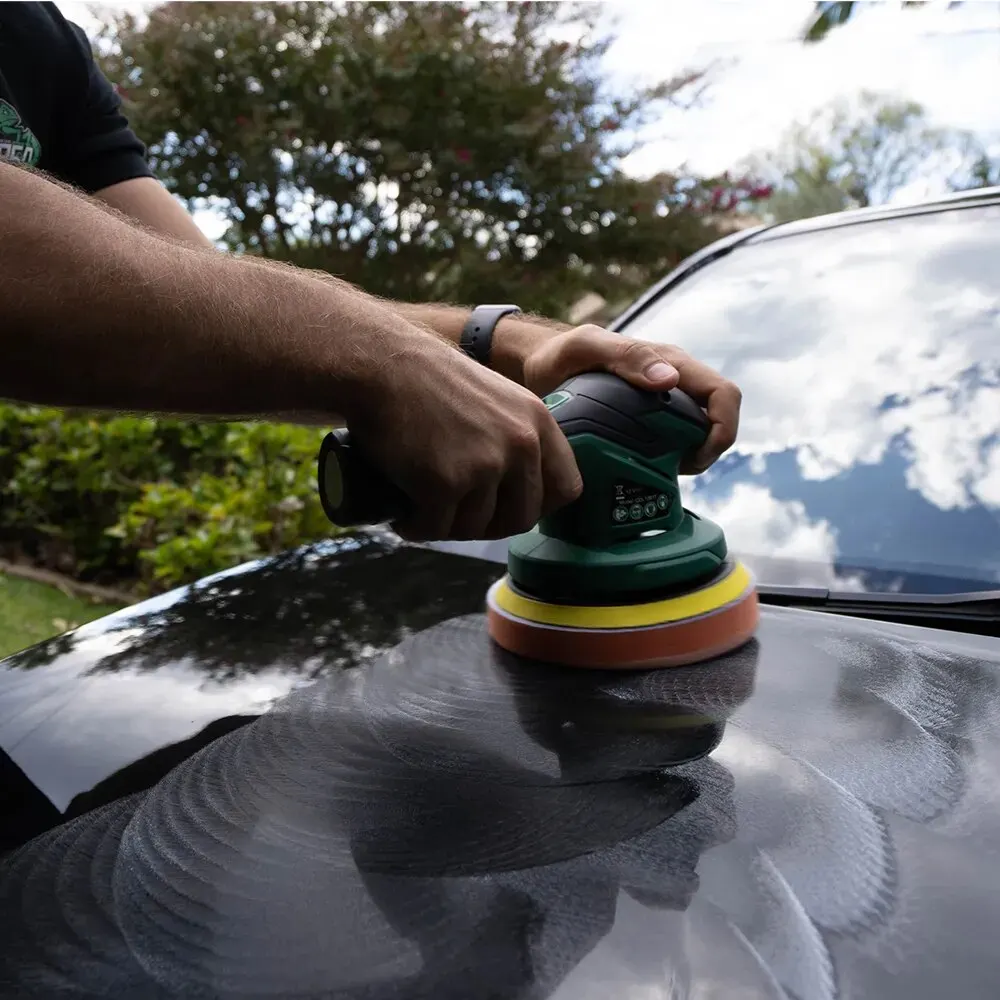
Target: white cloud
(951,465)
(947,60)
(821,339)
(757,524)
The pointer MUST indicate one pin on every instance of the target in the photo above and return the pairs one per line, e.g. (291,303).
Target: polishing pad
(700,624)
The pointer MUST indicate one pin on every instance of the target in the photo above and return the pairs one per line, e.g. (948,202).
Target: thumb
(642,365)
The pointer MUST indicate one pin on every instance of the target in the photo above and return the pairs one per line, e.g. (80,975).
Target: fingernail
(660,371)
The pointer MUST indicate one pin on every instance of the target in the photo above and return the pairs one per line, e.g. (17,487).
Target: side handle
(353,492)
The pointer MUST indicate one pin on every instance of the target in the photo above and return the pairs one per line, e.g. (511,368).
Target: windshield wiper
(977,612)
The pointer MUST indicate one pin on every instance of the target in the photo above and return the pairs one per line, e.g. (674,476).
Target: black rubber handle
(352,491)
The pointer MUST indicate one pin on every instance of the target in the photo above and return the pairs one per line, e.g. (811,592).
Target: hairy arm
(103,314)
(147,201)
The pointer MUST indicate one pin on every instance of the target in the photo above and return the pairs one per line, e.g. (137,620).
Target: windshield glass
(869,359)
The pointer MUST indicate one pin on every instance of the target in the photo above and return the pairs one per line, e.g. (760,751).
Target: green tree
(851,154)
(985,171)
(425,151)
(828,15)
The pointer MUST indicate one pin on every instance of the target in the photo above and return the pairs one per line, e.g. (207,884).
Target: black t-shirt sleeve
(97,147)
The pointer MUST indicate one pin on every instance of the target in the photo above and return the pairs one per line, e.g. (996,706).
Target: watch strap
(477,334)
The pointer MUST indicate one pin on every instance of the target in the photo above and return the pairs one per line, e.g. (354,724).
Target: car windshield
(868,354)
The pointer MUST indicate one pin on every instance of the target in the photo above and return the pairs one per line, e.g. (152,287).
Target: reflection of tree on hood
(311,610)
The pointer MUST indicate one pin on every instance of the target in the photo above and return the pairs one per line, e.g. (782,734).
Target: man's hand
(480,456)
(554,357)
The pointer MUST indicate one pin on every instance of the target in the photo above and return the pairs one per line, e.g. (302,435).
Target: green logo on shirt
(17,141)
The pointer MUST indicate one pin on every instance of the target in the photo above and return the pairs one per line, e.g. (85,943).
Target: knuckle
(490,468)
(726,437)
(525,440)
(629,350)
(450,479)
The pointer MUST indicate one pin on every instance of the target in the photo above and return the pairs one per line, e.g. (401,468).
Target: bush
(152,503)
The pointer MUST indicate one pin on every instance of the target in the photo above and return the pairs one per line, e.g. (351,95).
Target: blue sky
(949,60)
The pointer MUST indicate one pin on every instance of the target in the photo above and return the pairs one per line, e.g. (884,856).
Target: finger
(519,498)
(717,442)
(561,479)
(591,348)
(641,364)
(722,400)
(429,522)
(475,513)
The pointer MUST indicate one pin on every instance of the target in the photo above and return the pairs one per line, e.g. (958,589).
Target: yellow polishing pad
(681,607)
(700,625)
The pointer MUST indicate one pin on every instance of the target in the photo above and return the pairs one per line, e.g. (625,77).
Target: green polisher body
(628,533)
(624,577)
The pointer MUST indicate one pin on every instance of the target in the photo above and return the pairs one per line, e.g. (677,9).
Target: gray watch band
(477,334)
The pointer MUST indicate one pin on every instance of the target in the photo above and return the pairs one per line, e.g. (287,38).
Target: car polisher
(621,578)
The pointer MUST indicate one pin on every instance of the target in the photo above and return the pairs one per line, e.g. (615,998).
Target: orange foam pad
(672,644)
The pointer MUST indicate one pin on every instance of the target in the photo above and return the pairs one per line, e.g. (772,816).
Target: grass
(31,612)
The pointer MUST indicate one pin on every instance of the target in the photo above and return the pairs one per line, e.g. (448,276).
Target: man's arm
(101,154)
(513,338)
(147,201)
(541,354)
(101,313)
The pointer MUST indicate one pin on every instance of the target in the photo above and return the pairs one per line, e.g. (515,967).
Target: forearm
(146,201)
(512,339)
(99,313)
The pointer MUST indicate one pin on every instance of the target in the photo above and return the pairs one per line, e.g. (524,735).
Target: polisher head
(705,622)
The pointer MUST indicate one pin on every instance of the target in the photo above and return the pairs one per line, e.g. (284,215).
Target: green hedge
(152,503)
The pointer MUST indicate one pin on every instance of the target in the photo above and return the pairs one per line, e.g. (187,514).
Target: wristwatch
(477,334)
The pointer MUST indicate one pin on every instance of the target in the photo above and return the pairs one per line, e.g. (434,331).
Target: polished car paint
(314,777)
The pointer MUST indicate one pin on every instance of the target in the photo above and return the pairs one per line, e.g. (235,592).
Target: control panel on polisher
(634,504)
(628,444)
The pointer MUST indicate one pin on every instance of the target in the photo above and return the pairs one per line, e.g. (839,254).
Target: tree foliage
(852,154)
(152,503)
(425,151)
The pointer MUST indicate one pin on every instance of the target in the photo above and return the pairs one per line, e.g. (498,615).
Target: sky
(764,79)
(948,60)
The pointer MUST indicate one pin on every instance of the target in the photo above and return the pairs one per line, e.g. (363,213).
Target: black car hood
(314,777)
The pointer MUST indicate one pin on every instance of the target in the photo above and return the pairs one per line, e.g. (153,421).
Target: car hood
(313,776)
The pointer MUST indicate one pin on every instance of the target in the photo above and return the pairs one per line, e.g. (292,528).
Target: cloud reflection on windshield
(804,550)
(854,347)
(855,343)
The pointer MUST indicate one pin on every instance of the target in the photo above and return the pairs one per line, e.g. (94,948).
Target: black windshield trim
(976,613)
(981,597)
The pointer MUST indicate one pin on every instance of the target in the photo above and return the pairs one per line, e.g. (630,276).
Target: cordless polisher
(624,577)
